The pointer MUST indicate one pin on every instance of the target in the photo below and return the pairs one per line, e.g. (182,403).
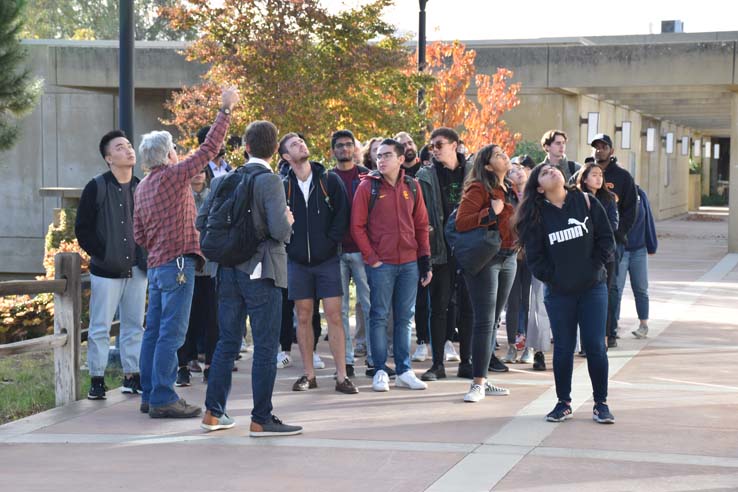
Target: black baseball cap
(601,137)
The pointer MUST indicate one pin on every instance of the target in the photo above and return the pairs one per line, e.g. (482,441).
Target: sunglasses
(438,145)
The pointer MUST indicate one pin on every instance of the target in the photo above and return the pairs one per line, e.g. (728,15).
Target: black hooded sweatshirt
(568,248)
(320,226)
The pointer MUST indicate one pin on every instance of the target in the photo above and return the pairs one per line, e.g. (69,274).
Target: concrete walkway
(674,397)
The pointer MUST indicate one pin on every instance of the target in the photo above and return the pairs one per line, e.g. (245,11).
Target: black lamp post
(125,68)
(421,49)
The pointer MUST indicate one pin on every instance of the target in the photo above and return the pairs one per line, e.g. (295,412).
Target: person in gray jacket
(252,288)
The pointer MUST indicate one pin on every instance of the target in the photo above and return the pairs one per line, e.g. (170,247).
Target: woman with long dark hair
(489,200)
(568,240)
(591,179)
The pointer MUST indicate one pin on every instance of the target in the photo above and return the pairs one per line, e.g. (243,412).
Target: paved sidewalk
(674,396)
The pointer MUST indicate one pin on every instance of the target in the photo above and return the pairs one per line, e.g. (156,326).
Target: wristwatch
(226,110)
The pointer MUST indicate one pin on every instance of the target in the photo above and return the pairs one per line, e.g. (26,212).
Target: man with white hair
(164,223)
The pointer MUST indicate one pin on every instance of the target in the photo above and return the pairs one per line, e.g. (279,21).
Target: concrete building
(656,95)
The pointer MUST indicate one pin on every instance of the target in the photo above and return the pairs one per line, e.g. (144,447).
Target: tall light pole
(421,49)
(125,68)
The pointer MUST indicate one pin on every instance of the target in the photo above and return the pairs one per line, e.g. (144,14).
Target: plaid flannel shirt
(164,215)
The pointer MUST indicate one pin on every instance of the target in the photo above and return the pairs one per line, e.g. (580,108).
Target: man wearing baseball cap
(620,182)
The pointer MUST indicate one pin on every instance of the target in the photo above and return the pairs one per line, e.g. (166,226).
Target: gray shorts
(314,281)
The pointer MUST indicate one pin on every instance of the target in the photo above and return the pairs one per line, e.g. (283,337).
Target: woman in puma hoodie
(568,239)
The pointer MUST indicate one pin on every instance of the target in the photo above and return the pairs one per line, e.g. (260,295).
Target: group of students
(380,226)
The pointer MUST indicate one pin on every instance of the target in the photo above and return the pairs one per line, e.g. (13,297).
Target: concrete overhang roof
(688,79)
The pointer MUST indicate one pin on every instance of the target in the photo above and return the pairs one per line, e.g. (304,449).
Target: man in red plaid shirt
(164,224)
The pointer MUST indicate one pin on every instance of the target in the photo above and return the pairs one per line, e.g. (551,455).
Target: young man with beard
(104,229)
(318,201)
(343,146)
(443,183)
(412,164)
(620,182)
(554,143)
(389,223)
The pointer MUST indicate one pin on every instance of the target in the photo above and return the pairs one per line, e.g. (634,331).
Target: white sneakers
(283,360)
(421,353)
(527,357)
(641,332)
(409,380)
(380,381)
(318,362)
(477,392)
(511,355)
(449,352)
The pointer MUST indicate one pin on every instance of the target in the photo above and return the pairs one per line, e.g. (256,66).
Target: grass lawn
(27,383)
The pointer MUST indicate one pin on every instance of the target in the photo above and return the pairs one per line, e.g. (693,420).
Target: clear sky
(518,19)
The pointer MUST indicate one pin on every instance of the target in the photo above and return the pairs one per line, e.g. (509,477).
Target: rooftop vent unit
(669,26)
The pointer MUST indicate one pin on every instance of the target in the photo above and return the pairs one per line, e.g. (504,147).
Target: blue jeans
(238,296)
(488,290)
(635,263)
(352,266)
(166,326)
(395,286)
(128,295)
(589,310)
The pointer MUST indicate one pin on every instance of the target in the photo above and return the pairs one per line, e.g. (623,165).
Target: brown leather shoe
(303,384)
(346,386)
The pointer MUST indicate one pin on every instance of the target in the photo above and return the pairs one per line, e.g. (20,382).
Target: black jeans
(422,315)
(488,290)
(439,291)
(518,303)
(613,293)
(460,314)
(203,321)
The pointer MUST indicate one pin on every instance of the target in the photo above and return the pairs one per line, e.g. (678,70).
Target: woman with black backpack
(568,240)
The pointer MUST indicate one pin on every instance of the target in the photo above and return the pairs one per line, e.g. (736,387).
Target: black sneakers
(465,371)
(183,377)
(434,373)
(539,362)
(132,384)
(496,365)
(97,388)
(370,371)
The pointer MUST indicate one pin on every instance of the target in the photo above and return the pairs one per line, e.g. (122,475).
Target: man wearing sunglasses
(443,183)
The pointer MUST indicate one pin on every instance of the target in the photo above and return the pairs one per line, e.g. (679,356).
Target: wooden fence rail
(65,341)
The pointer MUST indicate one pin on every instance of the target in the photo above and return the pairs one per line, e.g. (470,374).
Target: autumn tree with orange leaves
(478,123)
(299,66)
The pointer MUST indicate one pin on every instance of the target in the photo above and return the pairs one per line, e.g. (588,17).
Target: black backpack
(228,237)
(376,184)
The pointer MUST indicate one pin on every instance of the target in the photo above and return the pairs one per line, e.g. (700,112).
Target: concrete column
(706,166)
(570,125)
(733,177)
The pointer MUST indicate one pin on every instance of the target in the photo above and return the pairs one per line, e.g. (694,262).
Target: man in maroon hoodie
(389,223)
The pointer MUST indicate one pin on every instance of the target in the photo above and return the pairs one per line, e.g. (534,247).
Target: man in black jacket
(620,182)
(320,206)
(104,229)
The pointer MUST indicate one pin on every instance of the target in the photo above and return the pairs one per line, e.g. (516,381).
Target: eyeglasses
(346,145)
(386,155)
(438,144)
